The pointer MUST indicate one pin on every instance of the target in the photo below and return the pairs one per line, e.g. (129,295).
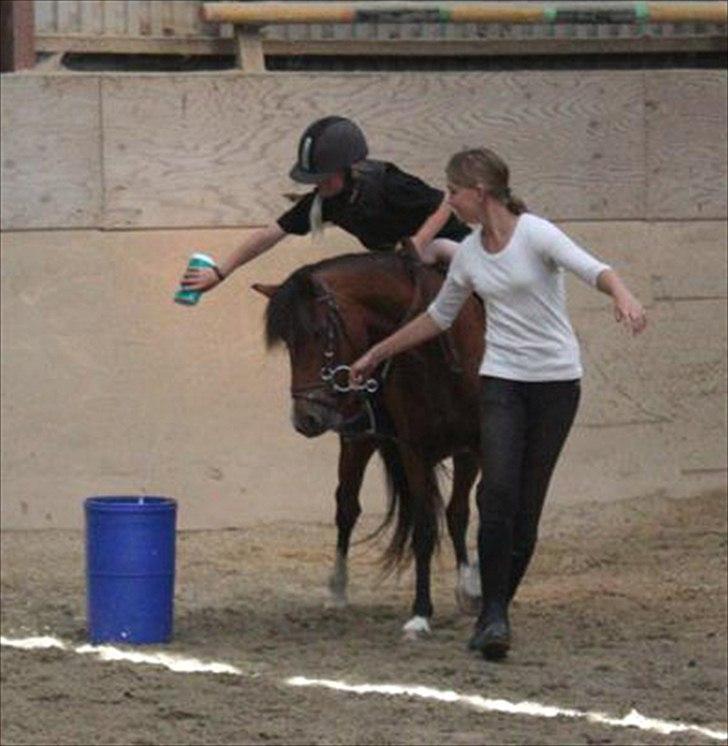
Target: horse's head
(323,333)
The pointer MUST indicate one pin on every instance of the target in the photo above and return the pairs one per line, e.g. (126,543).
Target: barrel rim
(130,503)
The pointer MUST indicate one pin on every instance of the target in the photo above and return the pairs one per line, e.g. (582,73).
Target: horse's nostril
(308,422)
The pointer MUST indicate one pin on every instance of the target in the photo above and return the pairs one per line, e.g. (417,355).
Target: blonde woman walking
(531,370)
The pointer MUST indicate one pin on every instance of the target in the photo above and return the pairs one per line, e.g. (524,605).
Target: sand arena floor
(624,607)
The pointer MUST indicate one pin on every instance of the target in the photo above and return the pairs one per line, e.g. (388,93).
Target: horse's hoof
(416,628)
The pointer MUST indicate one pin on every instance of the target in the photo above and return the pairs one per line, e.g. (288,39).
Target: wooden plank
(135,45)
(179,19)
(92,17)
(144,16)
(183,17)
(45,17)
(178,151)
(249,50)
(169,18)
(115,18)
(133,10)
(51,173)
(156,9)
(365,47)
(69,16)
(686,143)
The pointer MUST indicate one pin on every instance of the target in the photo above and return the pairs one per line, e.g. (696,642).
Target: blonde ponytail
(514,203)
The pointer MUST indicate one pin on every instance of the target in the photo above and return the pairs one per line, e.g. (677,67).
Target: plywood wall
(214,149)
(132,18)
(108,387)
(51,152)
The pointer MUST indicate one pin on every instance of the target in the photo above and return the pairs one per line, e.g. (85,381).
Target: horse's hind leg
(354,456)
(465,471)
(425,497)
(423,543)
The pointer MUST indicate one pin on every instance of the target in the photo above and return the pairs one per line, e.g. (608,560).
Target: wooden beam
(249,49)
(408,11)
(17,48)
(715,12)
(381,48)
(104,44)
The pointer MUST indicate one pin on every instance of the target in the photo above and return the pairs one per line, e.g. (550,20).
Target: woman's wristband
(216,270)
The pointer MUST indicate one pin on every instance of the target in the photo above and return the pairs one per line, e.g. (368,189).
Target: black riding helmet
(327,146)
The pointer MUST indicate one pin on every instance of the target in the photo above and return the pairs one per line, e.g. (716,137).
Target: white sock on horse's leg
(338,582)
(416,628)
(467,590)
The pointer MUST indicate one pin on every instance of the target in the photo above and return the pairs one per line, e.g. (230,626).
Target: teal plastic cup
(188,297)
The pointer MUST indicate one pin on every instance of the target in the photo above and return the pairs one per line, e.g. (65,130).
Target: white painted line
(181,664)
(33,643)
(633,720)
(176,663)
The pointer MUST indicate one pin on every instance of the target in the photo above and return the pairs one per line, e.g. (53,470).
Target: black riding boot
(520,560)
(492,634)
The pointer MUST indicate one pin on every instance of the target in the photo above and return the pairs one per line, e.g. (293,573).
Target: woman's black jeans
(523,428)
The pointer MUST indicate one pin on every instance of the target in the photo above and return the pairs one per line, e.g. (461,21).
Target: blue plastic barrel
(130,554)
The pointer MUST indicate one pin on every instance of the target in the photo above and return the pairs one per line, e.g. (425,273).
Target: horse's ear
(268,290)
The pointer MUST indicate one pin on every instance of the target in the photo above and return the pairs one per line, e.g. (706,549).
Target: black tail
(404,506)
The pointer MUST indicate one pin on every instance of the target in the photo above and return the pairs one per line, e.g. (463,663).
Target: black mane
(289,312)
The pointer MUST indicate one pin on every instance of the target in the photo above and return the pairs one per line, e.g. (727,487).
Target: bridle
(335,377)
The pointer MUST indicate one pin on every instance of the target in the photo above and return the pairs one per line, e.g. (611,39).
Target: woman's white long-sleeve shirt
(528,334)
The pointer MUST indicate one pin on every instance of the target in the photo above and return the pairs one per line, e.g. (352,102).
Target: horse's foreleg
(354,456)
(467,589)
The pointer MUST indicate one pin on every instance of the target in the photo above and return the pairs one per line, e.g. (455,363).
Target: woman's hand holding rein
(363,368)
